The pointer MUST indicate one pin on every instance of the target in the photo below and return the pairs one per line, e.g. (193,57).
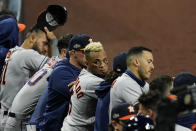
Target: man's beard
(82,65)
(141,74)
(35,47)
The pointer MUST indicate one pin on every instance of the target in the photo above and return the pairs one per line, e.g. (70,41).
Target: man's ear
(86,62)
(151,113)
(136,62)
(32,38)
(63,52)
(72,52)
(29,42)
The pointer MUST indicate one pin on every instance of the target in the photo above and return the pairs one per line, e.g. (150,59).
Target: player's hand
(49,34)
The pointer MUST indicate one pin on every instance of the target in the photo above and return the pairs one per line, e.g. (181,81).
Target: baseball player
(185,78)
(21,108)
(103,92)
(120,114)
(81,116)
(20,65)
(131,84)
(58,93)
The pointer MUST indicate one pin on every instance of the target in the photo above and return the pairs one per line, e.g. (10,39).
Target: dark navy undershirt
(141,83)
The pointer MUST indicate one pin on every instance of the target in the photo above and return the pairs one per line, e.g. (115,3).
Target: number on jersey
(37,77)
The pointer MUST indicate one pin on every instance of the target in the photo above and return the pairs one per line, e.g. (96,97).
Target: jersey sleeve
(91,86)
(59,80)
(34,60)
(54,47)
(130,93)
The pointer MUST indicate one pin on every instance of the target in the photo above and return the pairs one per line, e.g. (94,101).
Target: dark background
(168,27)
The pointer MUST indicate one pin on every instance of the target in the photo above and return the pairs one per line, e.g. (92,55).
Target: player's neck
(61,57)
(135,72)
(74,62)
(26,45)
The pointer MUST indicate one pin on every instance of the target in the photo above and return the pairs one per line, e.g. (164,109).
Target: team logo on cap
(50,19)
(76,46)
(115,116)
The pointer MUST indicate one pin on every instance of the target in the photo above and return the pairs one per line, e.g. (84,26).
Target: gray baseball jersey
(83,103)
(20,65)
(25,101)
(126,89)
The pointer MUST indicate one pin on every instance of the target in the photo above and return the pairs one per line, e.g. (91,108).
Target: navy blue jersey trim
(141,83)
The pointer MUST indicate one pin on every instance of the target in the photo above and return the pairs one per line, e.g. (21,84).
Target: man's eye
(149,61)
(96,62)
(45,43)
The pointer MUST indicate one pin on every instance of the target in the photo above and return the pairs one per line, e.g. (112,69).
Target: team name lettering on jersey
(78,89)
(79,93)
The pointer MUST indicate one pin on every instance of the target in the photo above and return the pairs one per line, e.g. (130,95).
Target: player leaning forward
(21,109)
(83,102)
(20,64)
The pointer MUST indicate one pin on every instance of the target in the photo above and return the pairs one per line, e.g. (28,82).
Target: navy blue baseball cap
(121,112)
(119,62)
(184,78)
(139,123)
(52,17)
(79,42)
